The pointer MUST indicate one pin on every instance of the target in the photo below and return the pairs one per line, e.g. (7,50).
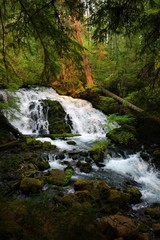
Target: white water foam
(140,171)
(89,123)
(86,120)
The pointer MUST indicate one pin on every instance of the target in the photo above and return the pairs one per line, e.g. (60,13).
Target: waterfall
(32,119)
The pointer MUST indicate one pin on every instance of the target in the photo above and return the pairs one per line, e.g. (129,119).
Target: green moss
(107,105)
(153,212)
(156,153)
(125,135)
(71,143)
(135,195)
(57,118)
(33,143)
(59,177)
(61,135)
(68,174)
(41,163)
(83,185)
(31,185)
(118,197)
(97,152)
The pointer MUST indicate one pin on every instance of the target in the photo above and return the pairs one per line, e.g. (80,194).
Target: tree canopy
(39,43)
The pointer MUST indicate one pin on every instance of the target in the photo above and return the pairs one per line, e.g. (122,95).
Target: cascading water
(89,123)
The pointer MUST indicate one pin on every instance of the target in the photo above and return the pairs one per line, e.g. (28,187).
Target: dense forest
(106,52)
(74,45)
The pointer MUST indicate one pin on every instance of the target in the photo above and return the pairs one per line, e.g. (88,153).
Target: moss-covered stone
(57,118)
(97,152)
(37,144)
(156,228)
(118,197)
(31,185)
(59,177)
(98,188)
(156,153)
(101,190)
(154,213)
(41,163)
(125,136)
(135,195)
(117,226)
(71,143)
(81,185)
(85,167)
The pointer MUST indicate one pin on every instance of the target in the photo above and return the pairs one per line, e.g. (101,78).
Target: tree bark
(86,64)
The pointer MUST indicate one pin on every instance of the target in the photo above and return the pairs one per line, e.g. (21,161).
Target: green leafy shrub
(121,130)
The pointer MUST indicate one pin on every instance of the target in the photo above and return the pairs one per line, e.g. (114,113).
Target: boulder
(117,226)
(97,152)
(81,185)
(57,118)
(31,185)
(118,197)
(135,195)
(59,177)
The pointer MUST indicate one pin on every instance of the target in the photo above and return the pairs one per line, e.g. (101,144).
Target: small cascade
(33,115)
(146,175)
(32,119)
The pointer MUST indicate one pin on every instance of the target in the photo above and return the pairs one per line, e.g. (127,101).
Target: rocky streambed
(38,201)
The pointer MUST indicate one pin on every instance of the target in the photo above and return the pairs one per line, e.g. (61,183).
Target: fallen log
(9,145)
(130,105)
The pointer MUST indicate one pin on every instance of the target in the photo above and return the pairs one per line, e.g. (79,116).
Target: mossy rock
(59,177)
(33,143)
(81,185)
(101,190)
(84,196)
(135,195)
(117,227)
(47,146)
(154,213)
(125,136)
(41,163)
(71,143)
(57,118)
(61,135)
(98,188)
(97,152)
(156,228)
(118,197)
(31,185)
(156,153)
(85,167)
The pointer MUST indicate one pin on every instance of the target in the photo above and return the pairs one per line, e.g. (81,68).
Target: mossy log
(9,145)
(131,106)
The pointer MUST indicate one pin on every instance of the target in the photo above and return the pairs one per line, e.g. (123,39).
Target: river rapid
(117,170)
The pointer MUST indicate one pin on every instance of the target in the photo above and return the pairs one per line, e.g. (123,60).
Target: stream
(90,123)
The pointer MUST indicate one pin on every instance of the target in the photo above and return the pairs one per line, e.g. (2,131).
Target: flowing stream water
(90,124)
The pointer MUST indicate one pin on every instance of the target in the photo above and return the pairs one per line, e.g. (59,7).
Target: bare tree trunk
(86,64)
